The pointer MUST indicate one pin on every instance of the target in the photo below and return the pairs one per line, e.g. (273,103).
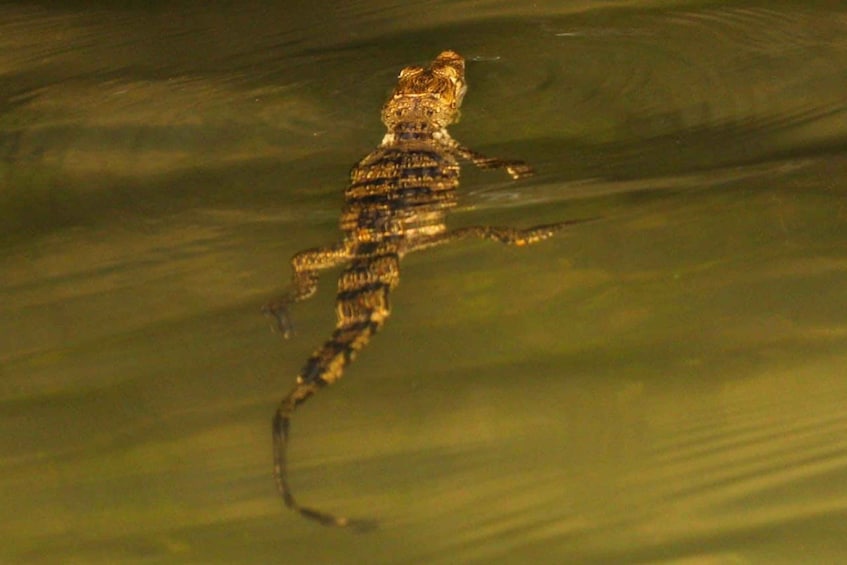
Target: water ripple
(705,88)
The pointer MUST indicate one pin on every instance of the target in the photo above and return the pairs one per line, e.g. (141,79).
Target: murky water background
(666,385)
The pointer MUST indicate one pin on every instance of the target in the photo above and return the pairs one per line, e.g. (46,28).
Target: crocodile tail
(281,423)
(323,367)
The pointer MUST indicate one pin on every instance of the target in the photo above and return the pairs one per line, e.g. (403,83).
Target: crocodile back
(398,194)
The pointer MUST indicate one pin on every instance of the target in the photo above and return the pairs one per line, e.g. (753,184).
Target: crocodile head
(430,94)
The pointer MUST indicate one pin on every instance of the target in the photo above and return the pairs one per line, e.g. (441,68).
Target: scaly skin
(396,203)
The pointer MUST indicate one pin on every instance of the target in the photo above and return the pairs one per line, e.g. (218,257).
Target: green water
(664,385)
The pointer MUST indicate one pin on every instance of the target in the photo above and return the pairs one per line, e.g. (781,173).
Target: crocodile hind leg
(510,236)
(304,282)
(506,235)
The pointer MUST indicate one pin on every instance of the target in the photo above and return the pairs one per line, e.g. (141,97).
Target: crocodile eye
(446,72)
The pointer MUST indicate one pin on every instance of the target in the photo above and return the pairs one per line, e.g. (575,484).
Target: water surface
(665,385)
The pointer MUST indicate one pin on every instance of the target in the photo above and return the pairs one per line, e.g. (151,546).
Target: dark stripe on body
(327,363)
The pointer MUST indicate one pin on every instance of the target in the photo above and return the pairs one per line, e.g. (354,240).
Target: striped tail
(361,312)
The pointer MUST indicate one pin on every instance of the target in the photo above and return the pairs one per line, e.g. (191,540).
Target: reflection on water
(662,386)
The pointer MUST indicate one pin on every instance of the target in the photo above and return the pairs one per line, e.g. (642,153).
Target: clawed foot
(519,169)
(281,321)
(516,169)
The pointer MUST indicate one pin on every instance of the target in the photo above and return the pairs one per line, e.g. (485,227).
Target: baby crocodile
(395,204)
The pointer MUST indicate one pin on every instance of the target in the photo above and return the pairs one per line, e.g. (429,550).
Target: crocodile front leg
(517,169)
